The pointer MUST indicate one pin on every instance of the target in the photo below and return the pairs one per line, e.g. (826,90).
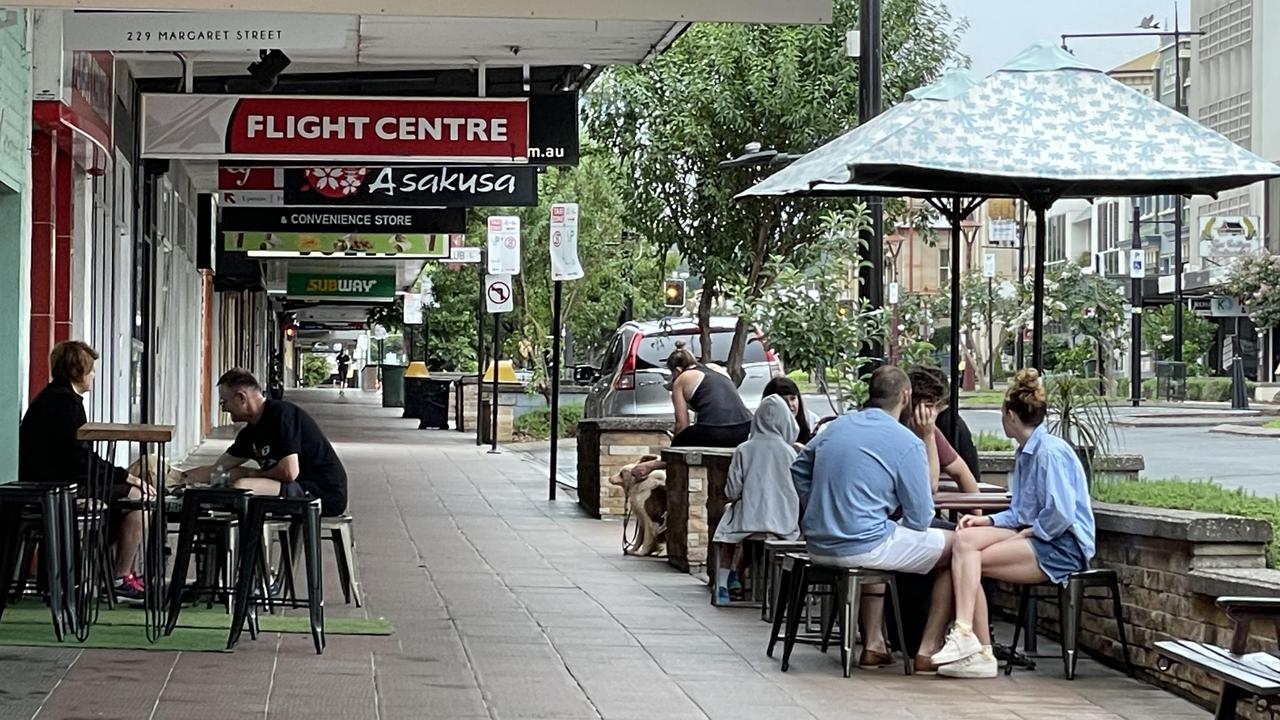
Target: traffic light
(673,293)
(290,332)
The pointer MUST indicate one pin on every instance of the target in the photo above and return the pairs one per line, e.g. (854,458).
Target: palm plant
(1082,417)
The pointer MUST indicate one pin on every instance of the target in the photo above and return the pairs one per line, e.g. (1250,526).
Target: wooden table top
(127,432)
(948,485)
(970,501)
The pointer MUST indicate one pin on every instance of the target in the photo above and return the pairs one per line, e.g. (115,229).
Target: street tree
(1256,281)
(1086,309)
(672,121)
(814,322)
(999,302)
(1198,335)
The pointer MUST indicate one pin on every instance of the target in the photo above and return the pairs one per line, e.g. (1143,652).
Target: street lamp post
(869,105)
(1152,29)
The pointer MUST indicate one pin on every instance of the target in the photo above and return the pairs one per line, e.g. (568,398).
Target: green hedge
(989,442)
(1209,389)
(1200,495)
(537,423)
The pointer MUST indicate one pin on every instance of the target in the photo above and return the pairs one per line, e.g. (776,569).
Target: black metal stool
(1070,607)
(792,566)
(304,510)
(773,552)
(803,574)
(195,503)
(57,546)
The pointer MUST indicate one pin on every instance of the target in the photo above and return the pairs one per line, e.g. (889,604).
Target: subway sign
(328,286)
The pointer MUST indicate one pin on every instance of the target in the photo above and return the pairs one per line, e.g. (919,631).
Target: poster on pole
(412,309)
(497,293)
(989,265)
(564,242)
(504,245)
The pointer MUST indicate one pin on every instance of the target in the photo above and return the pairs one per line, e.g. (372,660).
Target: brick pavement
(508,606)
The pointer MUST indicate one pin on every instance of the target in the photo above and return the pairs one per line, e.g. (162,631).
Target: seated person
(929,389)
(722,419)
(787,389)
(851,479)
(48,451)
(759,485)
(294,457)
(1046,534)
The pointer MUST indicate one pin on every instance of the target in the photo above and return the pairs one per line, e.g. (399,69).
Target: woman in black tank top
(722,419)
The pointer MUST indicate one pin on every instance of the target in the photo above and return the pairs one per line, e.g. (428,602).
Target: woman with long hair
(1046,534)
(786,388)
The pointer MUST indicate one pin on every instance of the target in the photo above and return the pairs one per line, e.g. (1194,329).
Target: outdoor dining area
(205,560)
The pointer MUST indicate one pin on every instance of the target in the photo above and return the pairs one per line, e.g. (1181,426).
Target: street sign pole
(991,353)
(1135,311)
(480,308)
(556,320)
(493,399)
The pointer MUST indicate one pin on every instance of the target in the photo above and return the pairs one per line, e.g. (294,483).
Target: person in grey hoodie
(763,498)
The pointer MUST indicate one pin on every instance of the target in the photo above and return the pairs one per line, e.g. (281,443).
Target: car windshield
(655,349)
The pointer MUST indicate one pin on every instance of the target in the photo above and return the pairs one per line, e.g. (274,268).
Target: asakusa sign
(491,130)
(400,186)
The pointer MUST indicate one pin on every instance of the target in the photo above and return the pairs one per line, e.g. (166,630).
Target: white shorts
(905,550)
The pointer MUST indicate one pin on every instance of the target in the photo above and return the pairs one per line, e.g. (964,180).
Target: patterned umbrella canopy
(825,171)
(1047,126)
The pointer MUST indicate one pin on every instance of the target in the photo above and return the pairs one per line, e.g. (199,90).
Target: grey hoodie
(759,483)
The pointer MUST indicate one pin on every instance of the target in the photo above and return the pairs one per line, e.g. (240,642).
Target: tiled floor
(508,606)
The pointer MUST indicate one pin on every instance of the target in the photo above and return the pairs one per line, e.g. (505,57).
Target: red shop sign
(335,128)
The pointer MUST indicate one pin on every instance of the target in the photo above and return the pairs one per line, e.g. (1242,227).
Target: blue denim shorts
(1059,557)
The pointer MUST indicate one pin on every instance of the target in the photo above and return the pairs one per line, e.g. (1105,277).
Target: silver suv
(633,379)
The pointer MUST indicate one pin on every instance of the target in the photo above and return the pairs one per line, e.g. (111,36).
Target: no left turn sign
(497,294)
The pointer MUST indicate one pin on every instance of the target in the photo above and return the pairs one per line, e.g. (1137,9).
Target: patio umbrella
(1046,126)
(824,172)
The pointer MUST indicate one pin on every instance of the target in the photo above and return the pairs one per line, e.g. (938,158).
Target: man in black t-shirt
(294,457)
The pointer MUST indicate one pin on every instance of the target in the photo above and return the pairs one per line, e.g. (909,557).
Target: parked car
(633,379)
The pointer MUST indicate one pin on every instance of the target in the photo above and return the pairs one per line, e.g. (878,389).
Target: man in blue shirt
(853,479)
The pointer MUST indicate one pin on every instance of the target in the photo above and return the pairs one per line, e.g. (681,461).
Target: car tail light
(775,364)
(627,377)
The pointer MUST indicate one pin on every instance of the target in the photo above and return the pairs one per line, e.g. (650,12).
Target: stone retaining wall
(507,396)
(997,466)
(605,445)
(1172,566)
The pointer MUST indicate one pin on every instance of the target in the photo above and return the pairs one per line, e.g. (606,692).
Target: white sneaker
(958,647)
(980,665)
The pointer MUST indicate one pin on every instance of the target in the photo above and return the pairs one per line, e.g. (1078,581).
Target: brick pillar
(44,152)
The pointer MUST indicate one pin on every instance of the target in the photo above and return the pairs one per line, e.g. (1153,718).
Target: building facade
(15,227)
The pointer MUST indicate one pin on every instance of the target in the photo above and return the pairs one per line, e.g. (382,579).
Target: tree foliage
(1198,335)
(672,121)
(813,323)
(1256,281)
(978,298)
(1086,308)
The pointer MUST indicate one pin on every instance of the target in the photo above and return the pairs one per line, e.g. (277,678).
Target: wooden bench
(1242,675)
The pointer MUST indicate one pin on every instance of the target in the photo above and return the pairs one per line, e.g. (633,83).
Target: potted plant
(1082,417)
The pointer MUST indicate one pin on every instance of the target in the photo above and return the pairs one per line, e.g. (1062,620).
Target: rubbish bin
(413,388)
(1171,380)
(369,377)
(434,405)
(392,386)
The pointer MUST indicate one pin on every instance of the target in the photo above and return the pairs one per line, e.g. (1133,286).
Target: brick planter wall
(605,445)
(695,502)
(997,466)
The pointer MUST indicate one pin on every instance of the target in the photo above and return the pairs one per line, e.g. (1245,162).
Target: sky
(1000,29)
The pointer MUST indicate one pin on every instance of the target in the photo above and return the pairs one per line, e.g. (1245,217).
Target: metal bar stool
(300,510)
(1070,608)
(56,546)
(196,502)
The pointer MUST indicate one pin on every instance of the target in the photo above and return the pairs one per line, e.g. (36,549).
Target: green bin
(393,386)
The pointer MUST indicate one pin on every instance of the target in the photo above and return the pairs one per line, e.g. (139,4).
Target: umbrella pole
(956,215)
(1037,309)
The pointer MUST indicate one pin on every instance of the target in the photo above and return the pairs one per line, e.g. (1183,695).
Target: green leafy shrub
(536,424)
(315,370)
(990,442)
(799,377)
(1199,495)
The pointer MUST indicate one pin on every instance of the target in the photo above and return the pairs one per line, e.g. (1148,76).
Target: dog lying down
(647,500)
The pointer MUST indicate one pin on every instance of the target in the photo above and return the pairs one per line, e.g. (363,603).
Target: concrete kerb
(1246,430)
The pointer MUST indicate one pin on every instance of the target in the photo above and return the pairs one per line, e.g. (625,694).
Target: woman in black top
(48,452)
(722,419)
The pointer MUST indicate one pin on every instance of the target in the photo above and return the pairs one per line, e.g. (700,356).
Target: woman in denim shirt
(1046,534)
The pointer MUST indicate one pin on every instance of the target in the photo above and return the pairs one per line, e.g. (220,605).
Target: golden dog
(647,500)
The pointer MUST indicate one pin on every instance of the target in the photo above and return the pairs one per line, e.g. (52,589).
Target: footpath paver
(508,606)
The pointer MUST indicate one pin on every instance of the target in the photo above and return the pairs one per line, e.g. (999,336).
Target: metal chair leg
(799,592)
(181,563)
(250,549)
(51,561)
(891,586)
(1071,611)
(781,607)
(1118,609)
(1023,601)
(315,575)
(849,599)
